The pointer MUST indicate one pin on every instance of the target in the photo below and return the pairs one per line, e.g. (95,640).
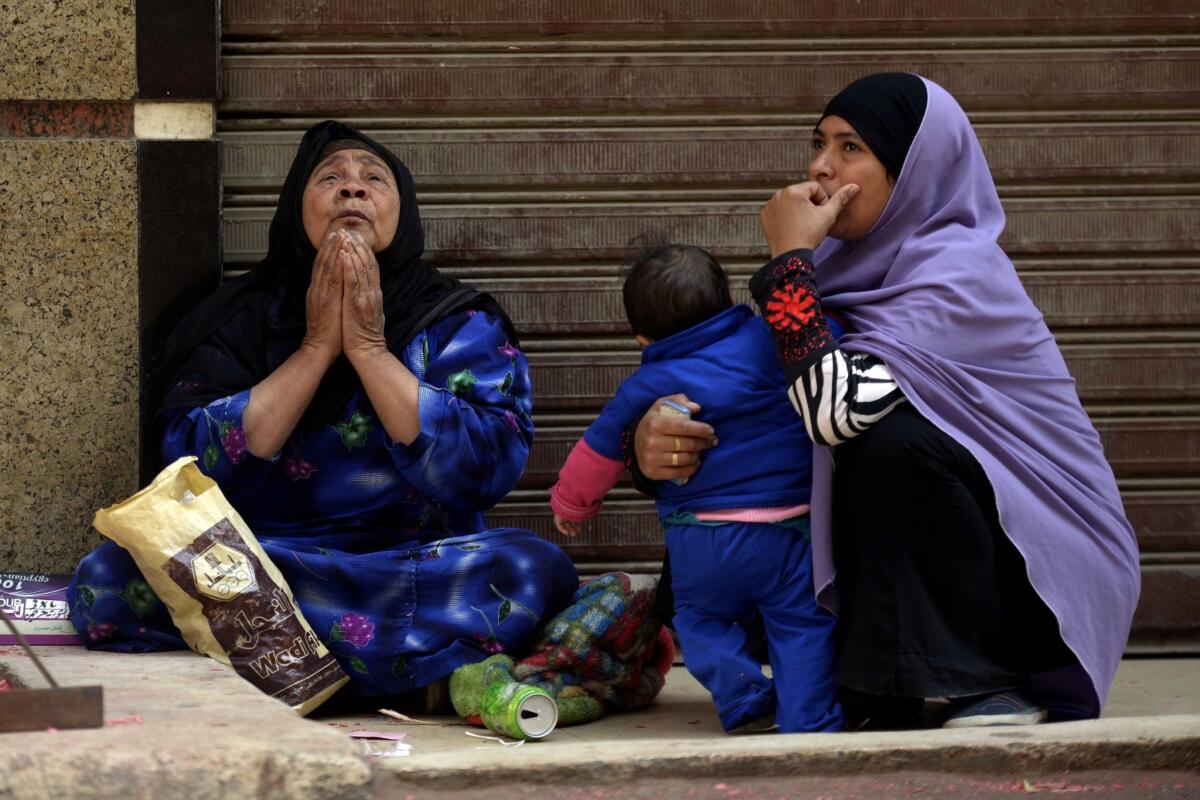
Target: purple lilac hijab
(929,291)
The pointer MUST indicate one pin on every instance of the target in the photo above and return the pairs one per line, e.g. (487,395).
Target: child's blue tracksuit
(726,574)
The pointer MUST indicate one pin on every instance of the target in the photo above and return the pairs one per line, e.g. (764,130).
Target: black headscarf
(886,109)
(246,328)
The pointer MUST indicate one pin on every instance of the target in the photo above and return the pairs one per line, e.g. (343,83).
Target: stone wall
(68,255)
(67,50)
(85,146)
(68,275)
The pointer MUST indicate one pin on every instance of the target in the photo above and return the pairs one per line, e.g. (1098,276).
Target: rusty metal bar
(592,231)
(1165,521)
(624,19)
(568,380)
(705,82)
(701,159)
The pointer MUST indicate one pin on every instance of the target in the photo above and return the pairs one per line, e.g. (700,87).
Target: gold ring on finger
(674,459)
(678,443)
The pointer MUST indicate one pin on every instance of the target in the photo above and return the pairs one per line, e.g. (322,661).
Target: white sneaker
(1003,708)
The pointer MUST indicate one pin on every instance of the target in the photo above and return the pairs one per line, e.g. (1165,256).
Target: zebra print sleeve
(842,395)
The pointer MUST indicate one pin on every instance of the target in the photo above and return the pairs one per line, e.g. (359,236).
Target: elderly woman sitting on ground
(361,411)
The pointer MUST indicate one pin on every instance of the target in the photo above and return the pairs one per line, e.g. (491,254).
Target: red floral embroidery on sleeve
(790,305)
(790,308)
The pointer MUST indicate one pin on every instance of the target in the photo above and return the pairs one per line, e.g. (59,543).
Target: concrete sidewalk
(1152,722)
(178,725)
(182,726)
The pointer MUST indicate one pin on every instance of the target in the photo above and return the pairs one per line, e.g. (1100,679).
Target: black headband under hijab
(245,329)
(886,110)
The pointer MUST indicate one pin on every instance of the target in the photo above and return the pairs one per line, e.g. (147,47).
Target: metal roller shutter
(543,134)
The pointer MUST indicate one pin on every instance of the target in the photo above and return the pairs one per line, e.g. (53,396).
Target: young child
(737,531)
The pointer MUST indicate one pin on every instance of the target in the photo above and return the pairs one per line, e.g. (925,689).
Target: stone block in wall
(67,49)
(69,327)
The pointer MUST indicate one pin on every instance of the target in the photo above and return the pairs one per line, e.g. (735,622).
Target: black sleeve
(786,292)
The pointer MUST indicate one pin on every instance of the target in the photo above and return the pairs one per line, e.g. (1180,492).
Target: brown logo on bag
(252,617)
(222,573)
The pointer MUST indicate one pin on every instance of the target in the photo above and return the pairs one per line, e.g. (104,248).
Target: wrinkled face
(353,190)
(839,157)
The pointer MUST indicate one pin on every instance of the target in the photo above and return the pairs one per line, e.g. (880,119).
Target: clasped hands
(344,305)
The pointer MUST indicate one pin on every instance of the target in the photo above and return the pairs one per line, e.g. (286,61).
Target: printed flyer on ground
(37,605)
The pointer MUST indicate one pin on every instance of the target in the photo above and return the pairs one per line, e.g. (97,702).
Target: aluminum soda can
(518,710)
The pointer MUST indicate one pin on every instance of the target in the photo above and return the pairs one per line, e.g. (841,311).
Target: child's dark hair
(671,287)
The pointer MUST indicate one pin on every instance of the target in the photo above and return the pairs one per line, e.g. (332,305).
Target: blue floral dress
(384,545)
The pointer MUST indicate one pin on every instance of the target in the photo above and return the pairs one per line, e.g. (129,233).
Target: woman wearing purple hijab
(961,496)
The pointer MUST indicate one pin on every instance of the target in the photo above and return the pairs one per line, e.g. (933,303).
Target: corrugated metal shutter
(545,133)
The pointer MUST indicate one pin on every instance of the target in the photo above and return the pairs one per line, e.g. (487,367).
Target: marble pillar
(75,283)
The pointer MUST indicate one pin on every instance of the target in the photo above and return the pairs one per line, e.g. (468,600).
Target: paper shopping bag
(224,594)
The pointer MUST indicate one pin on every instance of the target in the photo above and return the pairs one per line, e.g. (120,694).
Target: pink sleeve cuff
(582,483)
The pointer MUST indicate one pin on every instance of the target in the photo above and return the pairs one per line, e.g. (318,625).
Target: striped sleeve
(843,394)
(838,394)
